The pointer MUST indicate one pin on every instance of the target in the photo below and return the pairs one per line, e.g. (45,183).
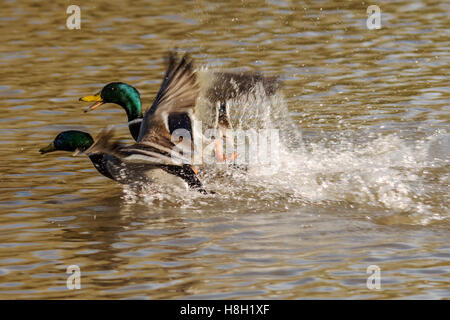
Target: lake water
(364,181)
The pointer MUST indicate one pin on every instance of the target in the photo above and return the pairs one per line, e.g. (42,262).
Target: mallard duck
(112,167)
(155,154)
(217,87)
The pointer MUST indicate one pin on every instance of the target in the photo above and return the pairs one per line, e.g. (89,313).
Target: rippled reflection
(365,172)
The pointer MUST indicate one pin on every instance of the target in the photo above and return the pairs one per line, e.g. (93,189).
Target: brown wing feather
(146,152)
(104,143)
(178,94)
(229,85)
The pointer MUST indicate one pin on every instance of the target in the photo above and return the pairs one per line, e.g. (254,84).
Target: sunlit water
(362,177)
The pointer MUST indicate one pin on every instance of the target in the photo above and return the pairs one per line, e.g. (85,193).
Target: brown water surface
(368,186)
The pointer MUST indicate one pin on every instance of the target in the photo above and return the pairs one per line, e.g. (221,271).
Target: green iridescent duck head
(71,140)
(119,93)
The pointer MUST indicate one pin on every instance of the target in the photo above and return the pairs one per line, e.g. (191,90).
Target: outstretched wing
(174,104)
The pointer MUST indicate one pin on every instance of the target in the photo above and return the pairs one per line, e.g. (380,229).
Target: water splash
(364,171)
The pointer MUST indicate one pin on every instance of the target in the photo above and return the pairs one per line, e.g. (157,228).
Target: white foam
(382,172)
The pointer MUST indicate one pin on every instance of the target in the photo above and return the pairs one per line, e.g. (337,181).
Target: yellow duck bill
(95,98)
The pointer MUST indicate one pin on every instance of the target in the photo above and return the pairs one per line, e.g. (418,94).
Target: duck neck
(135,127)
(133,108)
